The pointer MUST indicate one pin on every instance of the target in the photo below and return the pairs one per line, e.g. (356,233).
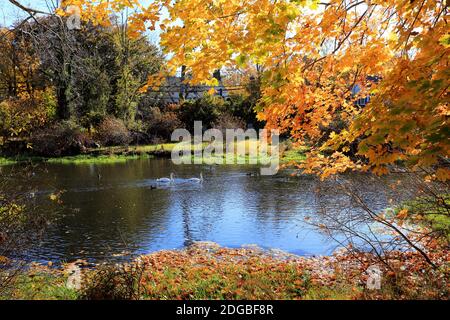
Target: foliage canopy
(314,53)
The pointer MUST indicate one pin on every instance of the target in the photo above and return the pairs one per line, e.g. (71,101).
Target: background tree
(314,53)
(136,60)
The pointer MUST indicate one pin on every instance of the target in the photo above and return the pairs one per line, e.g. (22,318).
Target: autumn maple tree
(314,54)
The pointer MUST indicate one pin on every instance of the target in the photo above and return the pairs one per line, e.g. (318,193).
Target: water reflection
(111,210)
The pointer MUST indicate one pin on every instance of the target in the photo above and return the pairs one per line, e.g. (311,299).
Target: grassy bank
(208,271)
(102,159)
(202,271)
(7,161)
(39,283)
(78,159)
(120,154)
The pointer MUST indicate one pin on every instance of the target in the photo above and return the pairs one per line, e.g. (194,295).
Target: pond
(111,211)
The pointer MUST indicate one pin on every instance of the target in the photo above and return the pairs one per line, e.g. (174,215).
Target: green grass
(230,282)
(208,271)
(178,276)
(203,273)
(6,161)
(222,159)
(79,159)
(430,211)
(135,149)
(41,285)
(20,159)
(337,292)
(294,155)
(121,154)
(102,159)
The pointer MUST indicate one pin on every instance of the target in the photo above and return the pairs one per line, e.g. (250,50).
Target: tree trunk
(63,106)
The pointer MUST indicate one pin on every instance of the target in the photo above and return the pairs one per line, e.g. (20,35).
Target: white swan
(166,180)
(197,180)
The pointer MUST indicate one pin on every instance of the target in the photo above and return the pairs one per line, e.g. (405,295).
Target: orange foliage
(314,52)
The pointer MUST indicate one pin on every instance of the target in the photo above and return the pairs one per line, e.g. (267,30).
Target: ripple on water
(122,213)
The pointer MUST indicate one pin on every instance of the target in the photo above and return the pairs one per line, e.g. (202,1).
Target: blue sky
(10,13)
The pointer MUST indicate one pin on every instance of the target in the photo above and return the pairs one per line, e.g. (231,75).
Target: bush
(113,132)
(139,138)
(162,124)
(120,282)
(61,139)
(228,121)
(243,107)
(21,116)
(207,109)
(23,222)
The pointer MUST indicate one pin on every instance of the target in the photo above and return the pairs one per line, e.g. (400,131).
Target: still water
(111,211)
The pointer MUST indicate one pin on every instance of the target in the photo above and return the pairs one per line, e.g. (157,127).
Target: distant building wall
(174,90)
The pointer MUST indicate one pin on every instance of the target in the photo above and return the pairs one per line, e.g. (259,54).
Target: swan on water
(166,180)
(198,180)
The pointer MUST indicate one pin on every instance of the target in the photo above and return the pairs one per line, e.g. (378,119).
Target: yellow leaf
(402,214)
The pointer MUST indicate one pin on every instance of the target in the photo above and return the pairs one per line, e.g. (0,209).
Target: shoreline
(207,246)
(205,270)
(199,260)
(117,154)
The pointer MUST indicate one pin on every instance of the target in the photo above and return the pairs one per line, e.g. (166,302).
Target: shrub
(109,282)
(22,224)
(60,139)
(162,124)
(206,109)
(21,116)
(243,107)
(139,138)
(228,121)
(113,132)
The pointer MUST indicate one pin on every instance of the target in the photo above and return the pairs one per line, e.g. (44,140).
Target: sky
(10,13)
